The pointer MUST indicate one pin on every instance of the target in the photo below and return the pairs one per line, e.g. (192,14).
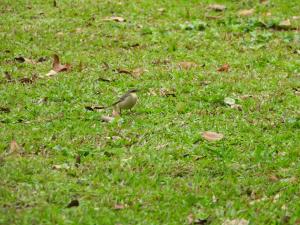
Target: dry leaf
(119,206)
(273,178)
(296,17)
(14,147)
(246,12)
(115,18)
(115,113)
(107,119)
(77,160)
(138,72)
(22,59)
(212,136)
(166,93)
(8,76)
(194,221)
(187,65)
(236,222)
(217,7)
(4,109)
(57,67)
(229,101)
(213,17)
(94,108)
(224,68)
(73,203)
(285,23)
(122,70)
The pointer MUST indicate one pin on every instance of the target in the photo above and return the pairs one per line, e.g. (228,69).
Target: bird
(126,101)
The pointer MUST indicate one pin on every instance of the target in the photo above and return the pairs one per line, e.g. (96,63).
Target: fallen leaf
(77,160)
(212,136)
(122,70)
(105,66)
(114,18)
(138,72)
(236,222)
(187,65)
(236,106)
(285,23)
(213,17)
(22,59)
(161,61)
(94,107)
(57,67)
(229,101)
(26,80)
(4,109)
(107,119)
(119,206)
(115,113)
(105,79)
(224,68)
(42,100)
(59,167)
(166,93)
(8,76)
(246,12)
(14,147)
(296,17)
(273,178)
(42,59)
(217,7)
(73,203)
(194,221)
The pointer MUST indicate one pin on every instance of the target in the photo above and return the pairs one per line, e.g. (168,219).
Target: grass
(151,166)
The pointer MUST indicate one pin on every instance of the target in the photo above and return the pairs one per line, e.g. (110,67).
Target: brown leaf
(217,7)
(166,93)
(194,221)
(236,222)
(94,107)
(26,80)
(107,119)
(224,68)
(115,18)
(57,67)
(273,178)
(22,59)
(246,12)
(213,17)
(122,70)
(77,160)
(14,147)
(73,203)
(8,76)
(187,65)
(285,23)
(161,62)
(119,206)
(4,109)
(115,113)
(138,72)
(212,136)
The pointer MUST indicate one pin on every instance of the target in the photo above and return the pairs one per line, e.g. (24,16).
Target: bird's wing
(122,98)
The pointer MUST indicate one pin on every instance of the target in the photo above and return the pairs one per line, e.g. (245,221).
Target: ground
(152,165)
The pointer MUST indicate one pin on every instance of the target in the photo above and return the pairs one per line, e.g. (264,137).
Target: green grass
(152,161)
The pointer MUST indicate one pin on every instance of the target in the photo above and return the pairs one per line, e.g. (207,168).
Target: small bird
(126,101)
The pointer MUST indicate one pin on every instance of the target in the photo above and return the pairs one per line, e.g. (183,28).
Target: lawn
(232,68)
